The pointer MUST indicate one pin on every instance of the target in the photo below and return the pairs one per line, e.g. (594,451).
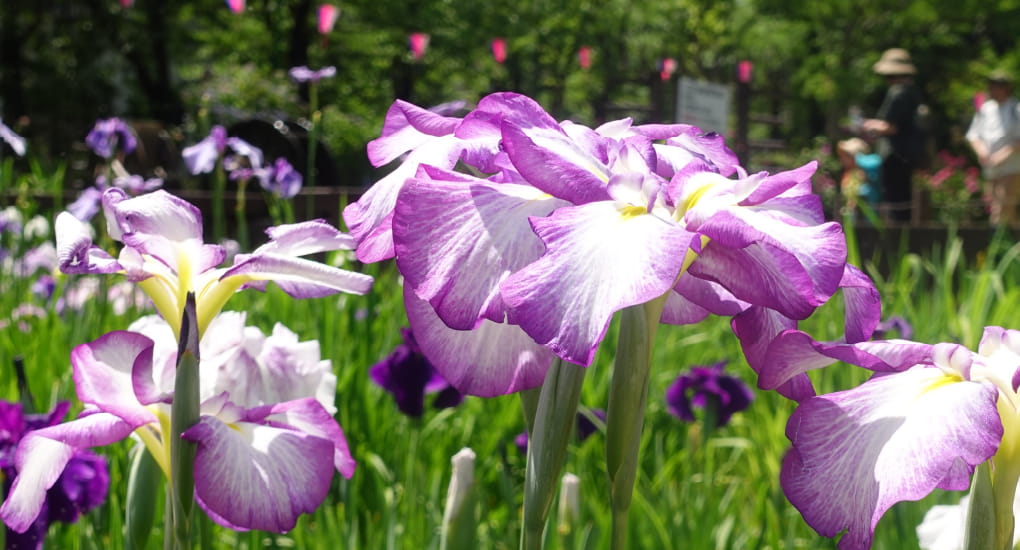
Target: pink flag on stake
(236,6)
(666,68)
(328,14)
(979,100)
(744,71)
(584,57)
(418,41)
(499,49)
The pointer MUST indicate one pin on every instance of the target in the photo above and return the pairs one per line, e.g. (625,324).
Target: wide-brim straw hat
(1000,76)
(895,61)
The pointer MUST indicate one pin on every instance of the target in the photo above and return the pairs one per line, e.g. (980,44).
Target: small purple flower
(107,134)
(585,428)
(86,206)
(304,74)
(897,324)
(44,286)
(282,179)
(704,387)
(201,157)
(407,374)
(82,487)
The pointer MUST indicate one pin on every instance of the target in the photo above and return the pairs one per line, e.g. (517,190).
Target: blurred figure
(994,134)
(861,173)
(900,142)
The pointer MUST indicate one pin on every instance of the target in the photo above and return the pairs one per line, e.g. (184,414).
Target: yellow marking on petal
(693,198)
(629,211)
(690,257)
(940,382)
(150,438)
(159,291)
(213,297)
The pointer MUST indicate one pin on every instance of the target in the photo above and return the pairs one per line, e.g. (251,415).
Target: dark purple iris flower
(82,486)
(107,134)
(704,387)
(409,376)
(585,428)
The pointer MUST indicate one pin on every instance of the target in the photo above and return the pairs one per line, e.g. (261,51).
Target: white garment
(998,126)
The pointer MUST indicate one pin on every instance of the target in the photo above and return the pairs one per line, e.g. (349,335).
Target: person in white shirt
(994,134)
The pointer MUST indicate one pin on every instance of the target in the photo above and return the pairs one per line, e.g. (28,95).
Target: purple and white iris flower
(559,226)
(164,254)
(16,142)
(108,134)
(280,179)
(267,443)
(201,158)
(928,416)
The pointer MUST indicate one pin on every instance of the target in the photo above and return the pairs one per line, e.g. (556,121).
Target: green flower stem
(219,188)
(990,521)
(184,413)
(460,521)
(144,480)
(313,141)
(628,394)
(240,216)
(554,420)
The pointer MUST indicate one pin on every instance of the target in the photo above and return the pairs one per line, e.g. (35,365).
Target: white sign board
(703,104)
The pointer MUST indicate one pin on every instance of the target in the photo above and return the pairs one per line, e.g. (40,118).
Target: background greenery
(186,65)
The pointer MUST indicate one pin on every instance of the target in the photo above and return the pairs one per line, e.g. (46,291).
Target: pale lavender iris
(164,254)
(201,158)
(927,417)
(89,201)
(267,441)
(16,142)
(407,374)
(570,224)
(709,389)
(109,134)
(81,487)
(304,74)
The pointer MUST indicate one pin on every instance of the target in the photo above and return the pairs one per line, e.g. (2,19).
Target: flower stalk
(460,524)
(628,394)
(184,414)
(554,420)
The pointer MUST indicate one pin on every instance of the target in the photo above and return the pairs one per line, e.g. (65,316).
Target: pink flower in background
(328,14)
(499,49)
(666,68)
(236,6)
(584,57)
(971,181)
(418,41)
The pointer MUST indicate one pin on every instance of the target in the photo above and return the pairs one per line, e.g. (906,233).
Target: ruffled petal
(103,374)
(863,305)
(894,438)
(805,264)
(157,213)
(371,214)
(457,241)
(304,238)
(599,259)
(42,456)
(299,277)
(406,128)
(553,162)
(794,352)
(75,252)
(493,359)
(251,476)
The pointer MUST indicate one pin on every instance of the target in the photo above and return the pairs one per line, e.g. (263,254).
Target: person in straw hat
(900,142)
(994,134)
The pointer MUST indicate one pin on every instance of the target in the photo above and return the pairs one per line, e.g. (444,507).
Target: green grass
(719,494)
